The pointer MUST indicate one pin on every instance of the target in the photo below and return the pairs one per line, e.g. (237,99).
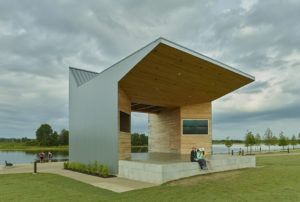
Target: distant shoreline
(9,146)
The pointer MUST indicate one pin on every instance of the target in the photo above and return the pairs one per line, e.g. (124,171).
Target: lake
(221,148)
(21,157)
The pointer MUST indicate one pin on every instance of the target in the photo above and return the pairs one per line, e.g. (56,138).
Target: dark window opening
(124,122)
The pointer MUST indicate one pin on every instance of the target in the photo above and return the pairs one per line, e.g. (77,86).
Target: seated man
(194,155)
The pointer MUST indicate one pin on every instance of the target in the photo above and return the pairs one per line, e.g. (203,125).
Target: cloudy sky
(39,40)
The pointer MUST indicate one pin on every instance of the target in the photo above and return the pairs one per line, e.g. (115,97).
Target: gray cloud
(41,39)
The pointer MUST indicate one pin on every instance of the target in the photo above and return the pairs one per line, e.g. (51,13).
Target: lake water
(221,148)
(21,157)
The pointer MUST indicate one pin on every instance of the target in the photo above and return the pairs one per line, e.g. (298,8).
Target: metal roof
(82,76)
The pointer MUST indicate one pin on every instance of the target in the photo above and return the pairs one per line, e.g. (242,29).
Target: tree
(135,139)
(144,139)
(54,139)
(299,138)
(268,138)
(228,144)
(63,138)
(25,139)
(294,141)
(274,141)
(283,141)
(43,134)
(257,140)
(249,140)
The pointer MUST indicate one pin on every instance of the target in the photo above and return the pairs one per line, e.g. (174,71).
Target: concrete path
(116,184)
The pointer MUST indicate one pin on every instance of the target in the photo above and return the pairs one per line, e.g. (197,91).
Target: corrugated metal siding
(82,76)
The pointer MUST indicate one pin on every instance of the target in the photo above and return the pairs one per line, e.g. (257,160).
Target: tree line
(18,140)
(45,136)
(139,139)
(268,139)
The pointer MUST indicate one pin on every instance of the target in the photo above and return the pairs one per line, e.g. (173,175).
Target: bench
(8,164)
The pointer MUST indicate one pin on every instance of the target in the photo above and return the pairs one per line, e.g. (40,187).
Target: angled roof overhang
(171,75)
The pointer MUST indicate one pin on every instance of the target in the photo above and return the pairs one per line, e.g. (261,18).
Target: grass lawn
(277,180)
(14,146)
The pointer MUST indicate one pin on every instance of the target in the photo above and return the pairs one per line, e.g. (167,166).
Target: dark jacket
(193,156)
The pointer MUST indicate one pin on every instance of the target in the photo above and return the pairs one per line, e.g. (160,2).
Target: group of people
(199,155)
(42,156)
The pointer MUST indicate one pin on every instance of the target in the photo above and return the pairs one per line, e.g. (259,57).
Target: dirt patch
(207,178)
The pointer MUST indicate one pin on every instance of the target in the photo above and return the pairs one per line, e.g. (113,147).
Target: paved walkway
(116,184)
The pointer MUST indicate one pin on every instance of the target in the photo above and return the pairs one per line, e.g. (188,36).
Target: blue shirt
(199,155)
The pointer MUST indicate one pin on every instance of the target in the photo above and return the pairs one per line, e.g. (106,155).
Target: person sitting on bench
(194,155)
(8,164)
(201,159)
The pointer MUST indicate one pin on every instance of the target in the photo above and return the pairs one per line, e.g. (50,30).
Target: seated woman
(201,159)
(205,158)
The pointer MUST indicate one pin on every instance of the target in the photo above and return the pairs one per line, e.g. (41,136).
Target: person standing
(42,155)
(49,156)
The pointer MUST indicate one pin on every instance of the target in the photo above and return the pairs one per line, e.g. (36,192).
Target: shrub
(69,165)
(82,167)
(100,169)
(89,168)
(95,167)
(66,164)
(105,170)
(73,165)
(77,166)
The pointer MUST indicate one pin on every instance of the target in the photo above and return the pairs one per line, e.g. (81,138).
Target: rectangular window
(124,122)
(195,127)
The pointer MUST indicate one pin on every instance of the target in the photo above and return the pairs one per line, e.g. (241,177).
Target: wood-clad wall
(124,138)
(198,111)
(164,131)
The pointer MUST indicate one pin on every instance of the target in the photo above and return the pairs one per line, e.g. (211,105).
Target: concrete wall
(164,172)
(164,131)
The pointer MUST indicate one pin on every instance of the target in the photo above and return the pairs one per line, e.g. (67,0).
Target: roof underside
(169,77)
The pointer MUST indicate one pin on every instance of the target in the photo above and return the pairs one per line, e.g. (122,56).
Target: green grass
(277,180)
(14,146)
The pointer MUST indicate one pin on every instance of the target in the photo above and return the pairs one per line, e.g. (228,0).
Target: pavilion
(173,84)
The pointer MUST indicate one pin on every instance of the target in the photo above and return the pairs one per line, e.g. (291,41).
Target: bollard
(288,150)
(232,152)
(35,167)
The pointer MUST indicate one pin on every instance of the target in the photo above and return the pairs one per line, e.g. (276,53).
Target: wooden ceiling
(169,77)
(136,107)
